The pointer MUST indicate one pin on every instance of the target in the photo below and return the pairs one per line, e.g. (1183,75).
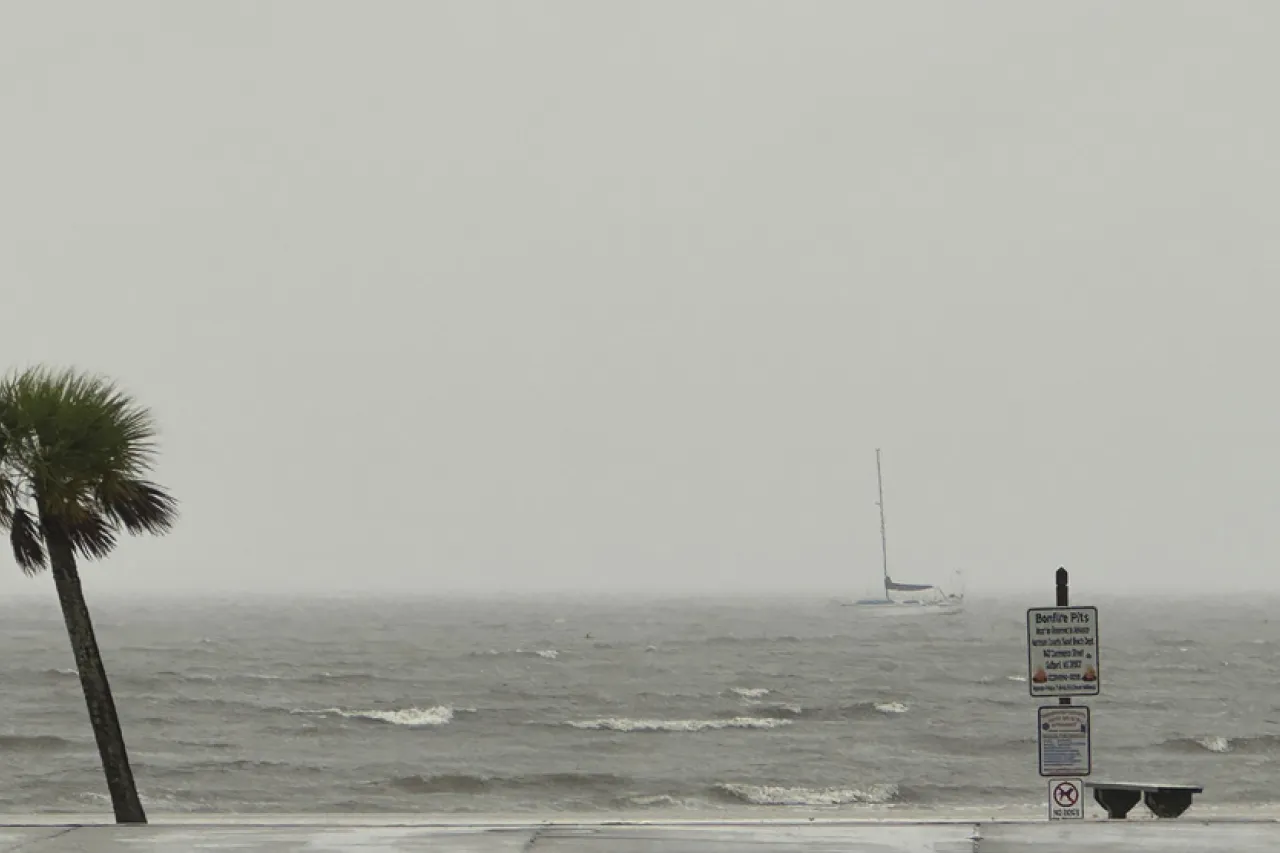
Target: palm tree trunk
(93,678)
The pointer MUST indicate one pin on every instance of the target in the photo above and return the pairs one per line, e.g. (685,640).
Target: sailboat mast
(884,541)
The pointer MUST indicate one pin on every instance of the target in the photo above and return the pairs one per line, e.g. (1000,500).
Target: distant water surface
(466,707)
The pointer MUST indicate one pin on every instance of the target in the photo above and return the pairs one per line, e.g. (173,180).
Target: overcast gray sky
(606,296)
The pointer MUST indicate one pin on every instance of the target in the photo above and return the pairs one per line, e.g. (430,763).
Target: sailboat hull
(906,608)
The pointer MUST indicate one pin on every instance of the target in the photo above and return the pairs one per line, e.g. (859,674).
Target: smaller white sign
(1062,651)
(1064,733)
(1066,799)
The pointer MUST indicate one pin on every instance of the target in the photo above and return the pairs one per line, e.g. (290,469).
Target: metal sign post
(1062,662)
(1063,599)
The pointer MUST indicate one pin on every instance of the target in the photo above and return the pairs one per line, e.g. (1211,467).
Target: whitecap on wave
(1215,744)
(773,795)
(656,800)
(437,716)
(621,724)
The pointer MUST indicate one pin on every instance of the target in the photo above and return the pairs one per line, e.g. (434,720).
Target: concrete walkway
(374,834)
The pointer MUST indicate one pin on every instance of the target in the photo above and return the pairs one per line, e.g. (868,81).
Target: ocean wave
(545,654)
(776,711)
(976,744)
(203,744)
(1220,745)
(206,677)
(1215,744)
(610,790)
(339,677)
(723,640)
(159,802)
(775,795)
(234,765)
(750,692)
(164,675)
(965,793)
(622,724)
(734,639)
(32,743)
(437,716)
(58,675)
(206,703)
(444,783)
(872,709)
(780,710)
(649,801)
(671,694)
(473,783)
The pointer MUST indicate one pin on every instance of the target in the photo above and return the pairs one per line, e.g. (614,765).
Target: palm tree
(75,453)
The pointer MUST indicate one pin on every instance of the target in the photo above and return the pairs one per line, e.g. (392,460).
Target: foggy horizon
(468,298)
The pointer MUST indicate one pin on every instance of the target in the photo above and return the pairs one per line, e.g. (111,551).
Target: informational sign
(1066,800)
(1062,651)
(1065,740)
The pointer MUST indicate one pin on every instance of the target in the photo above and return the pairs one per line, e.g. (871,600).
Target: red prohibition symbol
(1066,795)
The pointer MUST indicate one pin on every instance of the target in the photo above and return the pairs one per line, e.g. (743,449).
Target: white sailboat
(912,598)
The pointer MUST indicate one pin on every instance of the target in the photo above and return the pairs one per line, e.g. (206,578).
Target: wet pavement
(387,836)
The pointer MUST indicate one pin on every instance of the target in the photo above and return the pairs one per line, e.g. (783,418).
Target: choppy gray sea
(415,705)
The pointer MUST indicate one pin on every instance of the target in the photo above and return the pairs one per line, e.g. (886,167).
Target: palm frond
(139,506)
(82,448)
(82,422)
(92,536)
(9,474)
(28,544)
(8,496)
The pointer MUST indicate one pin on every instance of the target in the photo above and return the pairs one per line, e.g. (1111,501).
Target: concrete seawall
(404,833)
